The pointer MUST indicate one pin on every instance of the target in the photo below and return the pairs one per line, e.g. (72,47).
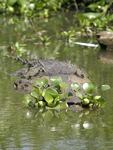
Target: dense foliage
(41,8)
(54,97)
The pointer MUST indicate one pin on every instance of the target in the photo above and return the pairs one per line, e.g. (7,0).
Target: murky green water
(27,129)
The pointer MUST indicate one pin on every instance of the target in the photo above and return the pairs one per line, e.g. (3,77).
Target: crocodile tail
(17,59)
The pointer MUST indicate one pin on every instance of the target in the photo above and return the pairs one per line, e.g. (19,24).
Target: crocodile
(45,68)
(105,39)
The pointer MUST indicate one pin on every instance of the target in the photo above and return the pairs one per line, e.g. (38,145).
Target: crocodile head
(23,86)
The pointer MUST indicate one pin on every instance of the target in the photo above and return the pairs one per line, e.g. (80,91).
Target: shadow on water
(22,128)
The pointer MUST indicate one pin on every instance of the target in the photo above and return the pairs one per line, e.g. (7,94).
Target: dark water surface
(27,129)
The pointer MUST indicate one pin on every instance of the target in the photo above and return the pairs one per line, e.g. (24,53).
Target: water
(32,129)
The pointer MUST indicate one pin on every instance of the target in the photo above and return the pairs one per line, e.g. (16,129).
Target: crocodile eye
(82,75)
(15,85)
(20,82)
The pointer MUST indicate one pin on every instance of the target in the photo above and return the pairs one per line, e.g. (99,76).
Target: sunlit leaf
(42,82)
(93,6)
(35,88)
(90,87)
(63,105)
(56,80)
(58,98)
(105,87)
(85,101)
(91,15)
(41,104)
(48,97)
(11,2)
(79,95)
(17,45)
(52,92)
(23,3)
(22,51)
(51,103)
(75,86)
(68,95)
(34,94)
(63,85)
(41,93)
(97,97)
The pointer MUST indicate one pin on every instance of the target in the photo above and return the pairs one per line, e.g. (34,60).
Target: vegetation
(98,19)
(91,22)
(40,8)
(46,96)
(54,98)
(89,99)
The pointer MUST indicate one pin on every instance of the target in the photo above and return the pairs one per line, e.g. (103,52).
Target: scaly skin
(44,68)
(105,39)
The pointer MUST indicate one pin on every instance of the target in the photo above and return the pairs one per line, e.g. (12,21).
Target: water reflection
(106,56)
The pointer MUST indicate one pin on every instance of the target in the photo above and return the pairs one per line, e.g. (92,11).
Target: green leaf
(90,96)
(48,97)
(11,2)
(51,103)
(93,6)
(34,94)
(41,38)
(17,45)
(58,98)
(23,3)
(42,92)
(63,105)
(63,85)
(41,104)
(46,38)
(79,95)
(56,80)
(43,82)
(101,102)
(105,87)
(16,20)
(52,92)
(75,86)
(85,101)
(97,97)
(22,51)
(56,107)
(48,43)
(91,15)
(89,87)
(68,95)
(35,88)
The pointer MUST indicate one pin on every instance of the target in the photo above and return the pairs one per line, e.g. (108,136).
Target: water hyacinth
(44,96)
